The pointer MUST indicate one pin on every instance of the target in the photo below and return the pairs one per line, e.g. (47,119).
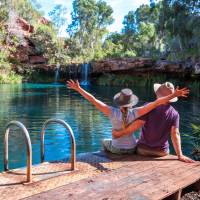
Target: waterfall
(84,74)
(57,73)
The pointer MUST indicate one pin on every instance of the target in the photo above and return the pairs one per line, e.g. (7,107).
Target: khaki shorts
(107,145)
(149,152)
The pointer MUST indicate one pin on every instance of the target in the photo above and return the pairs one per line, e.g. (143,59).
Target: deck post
(177,195)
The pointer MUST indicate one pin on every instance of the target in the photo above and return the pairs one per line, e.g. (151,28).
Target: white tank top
(128,141)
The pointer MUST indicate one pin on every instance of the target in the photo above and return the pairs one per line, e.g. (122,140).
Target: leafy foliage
(164,29)
(89,21)
(196,141)
(169,28)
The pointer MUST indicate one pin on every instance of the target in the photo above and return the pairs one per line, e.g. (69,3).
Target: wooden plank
(89,166)
(179,181)
(125,178)
(150,183)
(76,188)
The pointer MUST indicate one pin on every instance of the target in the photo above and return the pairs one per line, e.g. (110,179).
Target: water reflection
(33,104)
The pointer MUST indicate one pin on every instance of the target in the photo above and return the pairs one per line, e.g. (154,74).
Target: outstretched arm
(163,100)
(176,141)
(129,129)
(98,104)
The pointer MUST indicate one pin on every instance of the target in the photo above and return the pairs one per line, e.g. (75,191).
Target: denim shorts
(107,145)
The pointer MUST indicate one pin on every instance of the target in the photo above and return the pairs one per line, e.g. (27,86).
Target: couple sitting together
(157,119)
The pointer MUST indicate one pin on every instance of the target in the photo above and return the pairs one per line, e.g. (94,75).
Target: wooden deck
(103,176)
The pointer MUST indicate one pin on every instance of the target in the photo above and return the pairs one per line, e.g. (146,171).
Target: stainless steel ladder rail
(73,143)
(28,147)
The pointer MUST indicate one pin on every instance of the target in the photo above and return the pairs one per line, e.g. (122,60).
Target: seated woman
(122,116)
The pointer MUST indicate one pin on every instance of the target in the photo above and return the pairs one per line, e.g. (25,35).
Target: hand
(181,92)
(115,134)
(185,159)
(73,85)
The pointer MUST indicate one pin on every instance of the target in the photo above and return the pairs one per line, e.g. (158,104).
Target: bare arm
(163,100)
(129,129)
(98,104)
(176,141)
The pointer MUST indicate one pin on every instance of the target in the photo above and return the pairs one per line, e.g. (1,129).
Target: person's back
(128,141)
(157,127)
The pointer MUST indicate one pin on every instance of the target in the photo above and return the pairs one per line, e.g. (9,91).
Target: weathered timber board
(141,179)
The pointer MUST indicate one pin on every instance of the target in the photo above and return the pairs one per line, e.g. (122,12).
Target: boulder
(37,60)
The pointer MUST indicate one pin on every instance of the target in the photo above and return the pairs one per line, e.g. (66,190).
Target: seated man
(156,127)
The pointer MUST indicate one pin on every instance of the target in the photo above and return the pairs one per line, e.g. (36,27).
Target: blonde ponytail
(124,117)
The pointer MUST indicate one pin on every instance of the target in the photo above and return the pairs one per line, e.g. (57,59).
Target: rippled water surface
(32,104)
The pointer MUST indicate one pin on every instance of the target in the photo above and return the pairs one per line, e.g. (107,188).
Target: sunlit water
(32,104)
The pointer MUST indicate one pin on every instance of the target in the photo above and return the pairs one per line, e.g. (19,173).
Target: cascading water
(57,73)
(84,74)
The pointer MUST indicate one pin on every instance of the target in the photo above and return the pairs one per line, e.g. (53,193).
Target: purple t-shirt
(157,127)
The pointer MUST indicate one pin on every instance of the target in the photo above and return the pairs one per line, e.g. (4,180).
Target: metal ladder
(28,147)
(73,143)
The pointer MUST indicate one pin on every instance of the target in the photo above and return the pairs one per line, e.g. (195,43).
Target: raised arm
(176,141)
(163,100)
(129,129)
(98,104)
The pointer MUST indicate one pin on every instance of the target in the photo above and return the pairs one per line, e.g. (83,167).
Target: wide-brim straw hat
(125,98)
(164,89)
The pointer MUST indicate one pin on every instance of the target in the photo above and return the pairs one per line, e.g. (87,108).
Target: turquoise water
(32,104)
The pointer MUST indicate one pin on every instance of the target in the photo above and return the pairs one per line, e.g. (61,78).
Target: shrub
(10,78)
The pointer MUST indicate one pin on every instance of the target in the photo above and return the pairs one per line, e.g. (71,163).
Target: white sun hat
(164,89)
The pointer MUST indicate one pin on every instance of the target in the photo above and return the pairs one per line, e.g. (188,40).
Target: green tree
(88,27)
(58,16)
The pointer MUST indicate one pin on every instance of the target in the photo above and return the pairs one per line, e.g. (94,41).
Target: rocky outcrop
(26,52)
(142,65)
(25,26)
(37,59)
(122,64)
(187,67)
(21,55)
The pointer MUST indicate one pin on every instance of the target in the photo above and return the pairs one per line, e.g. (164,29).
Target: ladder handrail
(73,143)
(28,147)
